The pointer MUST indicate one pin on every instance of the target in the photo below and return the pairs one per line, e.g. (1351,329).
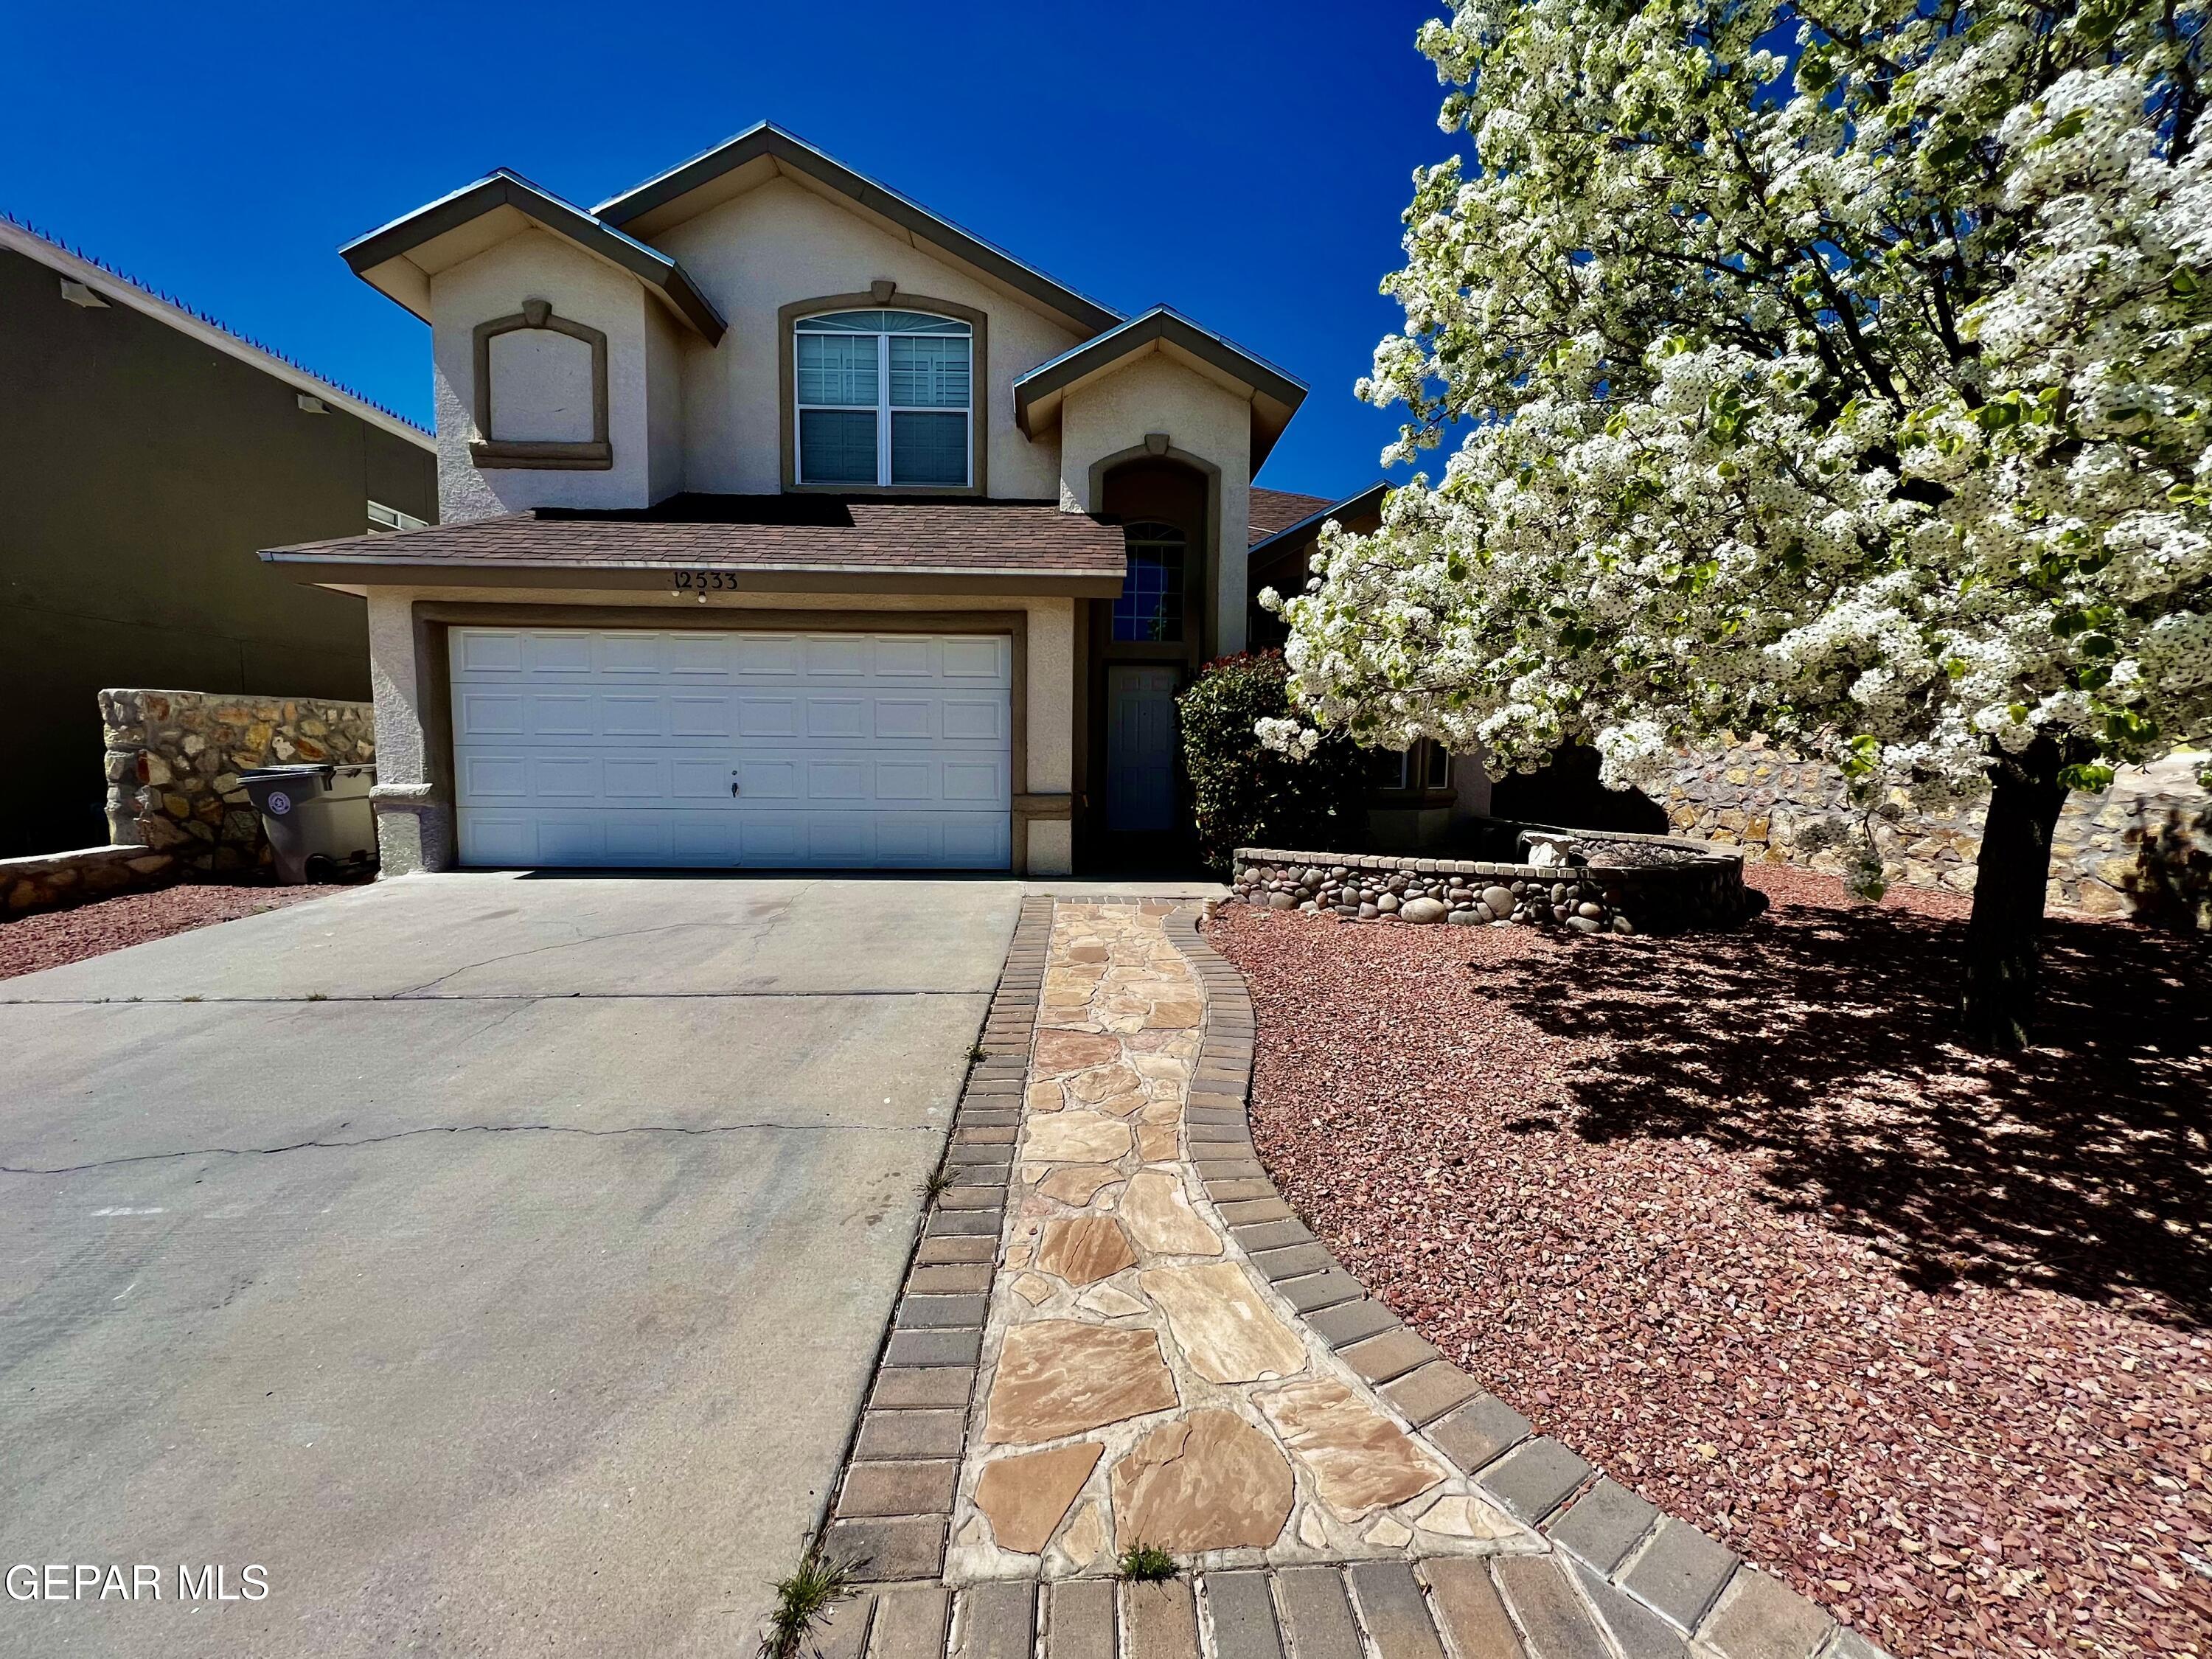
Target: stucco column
(414,816)
(1049,719)
(1231,598)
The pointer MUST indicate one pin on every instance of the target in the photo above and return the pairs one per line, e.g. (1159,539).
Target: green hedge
(1244,795)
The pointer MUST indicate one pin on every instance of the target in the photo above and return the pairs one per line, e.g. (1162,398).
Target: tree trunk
(2004,939)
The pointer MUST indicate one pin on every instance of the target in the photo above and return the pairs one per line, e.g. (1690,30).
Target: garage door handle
(733,785)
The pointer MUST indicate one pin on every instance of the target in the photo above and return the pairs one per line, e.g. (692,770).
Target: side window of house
(1386,769)
(1150,609)
(883,398)
(1436,766)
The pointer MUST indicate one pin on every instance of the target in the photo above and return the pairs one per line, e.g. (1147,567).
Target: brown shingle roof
(769,533)
(1278,509)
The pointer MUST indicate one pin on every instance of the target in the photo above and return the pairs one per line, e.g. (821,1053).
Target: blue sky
(1246,164)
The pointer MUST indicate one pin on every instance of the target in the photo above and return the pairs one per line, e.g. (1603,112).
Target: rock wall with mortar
(55,881)
(2141,848)
(173,760)
(1697,888)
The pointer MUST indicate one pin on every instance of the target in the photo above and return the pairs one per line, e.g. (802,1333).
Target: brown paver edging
(1632,1561)
(893,1501)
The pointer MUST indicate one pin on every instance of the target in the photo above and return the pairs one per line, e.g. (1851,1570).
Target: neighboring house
(146,453)
(787,523)
(1416,795)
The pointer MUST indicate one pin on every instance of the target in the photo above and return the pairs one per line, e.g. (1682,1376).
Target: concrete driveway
(496,1261)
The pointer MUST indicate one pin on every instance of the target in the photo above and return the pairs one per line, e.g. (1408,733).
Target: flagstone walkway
(1116,1334)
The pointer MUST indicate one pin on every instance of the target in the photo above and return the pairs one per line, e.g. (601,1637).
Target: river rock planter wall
(173,759)
(1617,883)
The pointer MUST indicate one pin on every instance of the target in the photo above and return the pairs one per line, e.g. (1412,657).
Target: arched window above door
(1150,609)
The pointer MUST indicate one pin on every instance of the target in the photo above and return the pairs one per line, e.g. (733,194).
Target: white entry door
(618,748)
(1140,748)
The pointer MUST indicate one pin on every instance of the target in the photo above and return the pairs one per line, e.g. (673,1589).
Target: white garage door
(775,751)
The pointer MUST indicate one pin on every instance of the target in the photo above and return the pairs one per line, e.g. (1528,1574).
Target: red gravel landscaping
(1925,1332)
(55,937)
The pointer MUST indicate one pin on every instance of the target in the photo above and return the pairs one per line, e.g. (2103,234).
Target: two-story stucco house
(787,523)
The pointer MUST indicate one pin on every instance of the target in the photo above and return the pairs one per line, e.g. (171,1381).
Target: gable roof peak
(765,149)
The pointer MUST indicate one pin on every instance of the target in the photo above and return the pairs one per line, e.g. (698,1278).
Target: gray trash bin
(317,818)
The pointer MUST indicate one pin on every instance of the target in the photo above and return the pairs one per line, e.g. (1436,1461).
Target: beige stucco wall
(535,265)
(1111,416)
(781,243)
(664,402)
(415,822)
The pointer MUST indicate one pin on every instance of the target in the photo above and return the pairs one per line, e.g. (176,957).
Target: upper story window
(883,398)
(1150,609)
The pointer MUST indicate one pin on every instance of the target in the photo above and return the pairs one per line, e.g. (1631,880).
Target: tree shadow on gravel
(1823,1039)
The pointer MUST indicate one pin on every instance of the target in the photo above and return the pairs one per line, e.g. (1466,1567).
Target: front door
(1140,748)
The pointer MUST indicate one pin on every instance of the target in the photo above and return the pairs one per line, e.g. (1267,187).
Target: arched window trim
(791,320)
(489,453)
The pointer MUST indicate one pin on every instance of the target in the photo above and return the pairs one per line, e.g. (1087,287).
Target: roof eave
(380,258)
(372,569)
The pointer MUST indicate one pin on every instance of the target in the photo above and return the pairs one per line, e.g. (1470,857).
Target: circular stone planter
(1600,882)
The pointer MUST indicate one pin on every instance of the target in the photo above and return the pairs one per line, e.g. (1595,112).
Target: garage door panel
(494,777)
(772,840)
(699,778)
(973,782)
(985,658)
(481,650)
(701,715)
(837,717)
(770,656)
(974,720)
(768,780)
(565,778)
(761,716)
(583,747)
(635,779)
(703,839)
(912,658)
(904,781)
(562,714)
(837,780)
(904,717)
(835,656)
(631,655)
(490,714)
(568,654)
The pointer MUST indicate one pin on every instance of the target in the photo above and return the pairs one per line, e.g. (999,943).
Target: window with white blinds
(883,398)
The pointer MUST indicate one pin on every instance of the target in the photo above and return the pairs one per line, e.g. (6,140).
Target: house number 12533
(706,581)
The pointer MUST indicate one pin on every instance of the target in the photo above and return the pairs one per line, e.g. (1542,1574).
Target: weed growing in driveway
(935,1185)
(1146,1564)
(977,1055)
(804,1601)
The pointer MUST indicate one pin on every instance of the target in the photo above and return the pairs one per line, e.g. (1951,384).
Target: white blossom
(1859,395)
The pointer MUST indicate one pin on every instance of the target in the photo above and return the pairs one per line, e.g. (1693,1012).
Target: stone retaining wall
(53,881)
(1696,888)
(173,759)
(2124,851)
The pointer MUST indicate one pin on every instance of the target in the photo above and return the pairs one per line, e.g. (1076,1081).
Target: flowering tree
(1840,371)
